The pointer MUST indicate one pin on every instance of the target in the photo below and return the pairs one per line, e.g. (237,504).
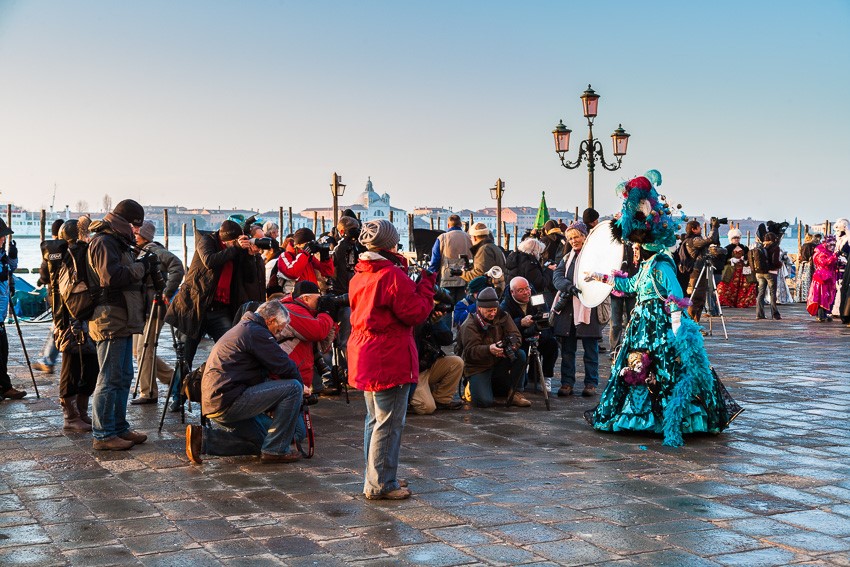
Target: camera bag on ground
(757,257)
(78,294)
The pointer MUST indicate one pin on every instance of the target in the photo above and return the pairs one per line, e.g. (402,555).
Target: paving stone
(462,536)
(23,535)
(32,556)
(292,546)
(208,530)
(432,555)
(393,534)
(73,535)
(353,549)
(811,542)
(759,558)
(188,558)
(159,543)
(264,560)
(832,524)
(503,554)
(527,532)
(713,542)
(101,556)
(572,552)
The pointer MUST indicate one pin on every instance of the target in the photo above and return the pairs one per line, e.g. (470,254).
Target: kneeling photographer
(532,321)
(493,361)
(247,375)
(695,252)
(310,327)
(439,374)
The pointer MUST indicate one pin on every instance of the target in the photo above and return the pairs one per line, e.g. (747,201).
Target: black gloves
(151,263)
(13,250)
(573,290)
(311,247)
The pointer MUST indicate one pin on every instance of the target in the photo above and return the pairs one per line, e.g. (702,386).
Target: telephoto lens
(262,243)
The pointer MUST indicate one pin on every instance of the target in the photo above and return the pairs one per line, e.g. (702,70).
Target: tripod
(152,328)
(535,367)
(339,374)
(707,272)
(20,334)
(181,369)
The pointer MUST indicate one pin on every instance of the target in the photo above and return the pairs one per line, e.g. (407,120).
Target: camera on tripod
(540,319)
(510,345)
(151,262)
(467,265)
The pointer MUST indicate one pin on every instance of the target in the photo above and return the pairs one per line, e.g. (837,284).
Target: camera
(443,302)
(715,220)
(467,265)
(331,304)
(263,243)
(540,319)
(324,251)
(151,262)
(510,345)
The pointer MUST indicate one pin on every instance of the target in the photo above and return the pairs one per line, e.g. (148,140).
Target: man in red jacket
(300,262)
(382,357)
(309,327)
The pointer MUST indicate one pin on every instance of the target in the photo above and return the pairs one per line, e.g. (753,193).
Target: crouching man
(493,360)
(247,374)
(439,374)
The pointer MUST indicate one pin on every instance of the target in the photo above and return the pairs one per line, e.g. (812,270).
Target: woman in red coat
(382,359)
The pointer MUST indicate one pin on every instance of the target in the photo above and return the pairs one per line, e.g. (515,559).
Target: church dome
(368,196)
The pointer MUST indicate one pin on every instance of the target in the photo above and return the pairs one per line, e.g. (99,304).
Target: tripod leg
(176,377)
(23,346)
(539,371)
(149,328)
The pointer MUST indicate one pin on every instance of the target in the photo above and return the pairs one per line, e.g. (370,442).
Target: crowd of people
(300,317)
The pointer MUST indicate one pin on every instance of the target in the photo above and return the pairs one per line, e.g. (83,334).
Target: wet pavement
(491,487)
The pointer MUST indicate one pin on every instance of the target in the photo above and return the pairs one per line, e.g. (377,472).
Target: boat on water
(27,224)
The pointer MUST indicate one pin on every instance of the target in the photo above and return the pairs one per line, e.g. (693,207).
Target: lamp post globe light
(591,148)
(496,193)
(337,190)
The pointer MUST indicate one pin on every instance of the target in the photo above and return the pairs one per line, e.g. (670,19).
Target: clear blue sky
(743,106)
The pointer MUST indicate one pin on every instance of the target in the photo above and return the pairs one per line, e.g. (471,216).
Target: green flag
(542,212)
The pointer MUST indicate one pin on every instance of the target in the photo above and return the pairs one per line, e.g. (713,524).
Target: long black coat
(196,293)
(527,266)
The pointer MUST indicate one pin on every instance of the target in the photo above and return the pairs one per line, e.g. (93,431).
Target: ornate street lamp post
(591,148)
(337,190)
(496,193)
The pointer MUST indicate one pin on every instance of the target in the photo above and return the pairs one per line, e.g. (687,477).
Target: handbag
(603,311)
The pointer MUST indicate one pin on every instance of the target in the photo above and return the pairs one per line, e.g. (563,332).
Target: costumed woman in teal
(661,380)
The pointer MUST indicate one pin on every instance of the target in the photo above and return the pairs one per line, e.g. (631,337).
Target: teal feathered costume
(661,380)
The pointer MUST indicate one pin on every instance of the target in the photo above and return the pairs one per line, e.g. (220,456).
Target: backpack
(685,262)
(77,293)
(757,258)
(192,384)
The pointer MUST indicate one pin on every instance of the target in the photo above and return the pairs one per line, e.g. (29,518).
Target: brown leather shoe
(13,394)
(401,493)
(113,443)
(134,436)
(565,391)
(290,457)
(588,391)
(194,436)
(520,401)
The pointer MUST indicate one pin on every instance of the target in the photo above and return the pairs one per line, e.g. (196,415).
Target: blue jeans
(247,430)
(215,322)
(109,401)
(767,282)
(385,414)
(49,353)
(569,346)
(496,381)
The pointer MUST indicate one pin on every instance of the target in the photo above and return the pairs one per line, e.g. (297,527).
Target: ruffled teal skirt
(702,403)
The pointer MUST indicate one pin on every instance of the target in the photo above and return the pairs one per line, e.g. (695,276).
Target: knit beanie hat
(551,226)
(479,229)
(303,236)
(69,231)
(54,228)
(303,287)
(130,211)
(477,284)
(379,234)
(487,298)
(579,226)
(229,230)
(589,215)
(148,231)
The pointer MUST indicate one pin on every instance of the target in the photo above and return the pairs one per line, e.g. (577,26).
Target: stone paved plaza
(491,487)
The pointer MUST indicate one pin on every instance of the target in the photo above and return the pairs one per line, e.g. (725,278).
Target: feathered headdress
(646,217)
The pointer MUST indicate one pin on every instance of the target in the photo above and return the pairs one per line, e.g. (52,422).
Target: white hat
(734,233)
(479,229)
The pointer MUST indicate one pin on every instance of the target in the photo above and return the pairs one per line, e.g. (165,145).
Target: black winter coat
(527,266)
(196,293)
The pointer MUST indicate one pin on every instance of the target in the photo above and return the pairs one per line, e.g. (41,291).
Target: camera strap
(308,427)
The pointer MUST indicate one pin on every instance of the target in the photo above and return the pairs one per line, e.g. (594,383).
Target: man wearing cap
(555,243)
(307,326)
(247,376)
(382,360)
(489,371)
(119,315)
(8,265)
(466,306)
(172,273)
(486,253)
(590,218)
(300,262)
(446,255)
(213,290)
